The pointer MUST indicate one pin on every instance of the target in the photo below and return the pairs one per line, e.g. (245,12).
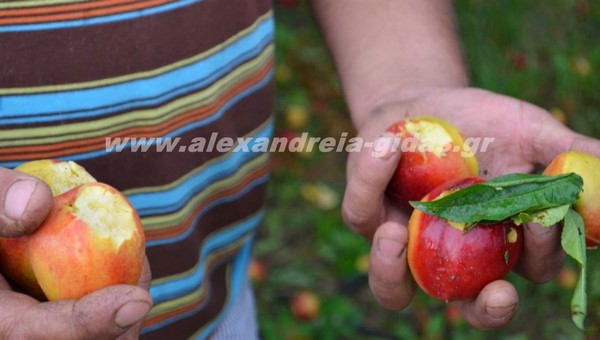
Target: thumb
(24,203)
(104,314)
(369,172)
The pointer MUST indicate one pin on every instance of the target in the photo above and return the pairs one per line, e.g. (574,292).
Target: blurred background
(310,270)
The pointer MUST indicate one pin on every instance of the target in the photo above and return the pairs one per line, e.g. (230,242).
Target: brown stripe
(64,56)
(187,223)
(185,328)
(212,263)
(56,150)
(172,259)
(127,170)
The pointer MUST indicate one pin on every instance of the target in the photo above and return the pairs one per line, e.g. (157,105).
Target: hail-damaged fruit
(92,238)
(433,152)
(450,263)
(588,204)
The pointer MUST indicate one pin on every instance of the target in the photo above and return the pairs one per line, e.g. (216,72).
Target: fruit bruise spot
(105,212)
(512,235)
(431,137)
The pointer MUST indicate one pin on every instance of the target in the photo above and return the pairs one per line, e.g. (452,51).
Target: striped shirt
(76,76)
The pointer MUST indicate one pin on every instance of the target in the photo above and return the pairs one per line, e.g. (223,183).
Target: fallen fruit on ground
(257,271)
(567,278)
(588,205)
(92,238)
(305,305)
(451,264)
(453,315)
(433,153)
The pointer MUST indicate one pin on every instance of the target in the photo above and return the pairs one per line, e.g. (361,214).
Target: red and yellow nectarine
(451,264)
(433,152)
(588,204)
(92,237)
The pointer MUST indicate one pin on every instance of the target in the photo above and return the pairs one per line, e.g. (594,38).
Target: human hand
(112,312)
(526,136)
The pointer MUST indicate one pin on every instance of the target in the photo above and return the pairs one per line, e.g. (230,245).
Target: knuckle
(352,217)
(357,220)
(388,293)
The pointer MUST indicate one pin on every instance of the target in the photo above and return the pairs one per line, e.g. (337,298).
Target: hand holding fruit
(110,312)
(526,137)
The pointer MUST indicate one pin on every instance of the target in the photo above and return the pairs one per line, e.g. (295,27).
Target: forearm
(385,49)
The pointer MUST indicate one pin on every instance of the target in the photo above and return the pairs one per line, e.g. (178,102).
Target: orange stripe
(97,143)
(187,223)
(25,11)
(161,317)
(95,12)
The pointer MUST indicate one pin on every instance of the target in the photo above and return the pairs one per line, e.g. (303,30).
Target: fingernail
(131,313)
(17,198)
(385,146)
(389,248)
(500,313)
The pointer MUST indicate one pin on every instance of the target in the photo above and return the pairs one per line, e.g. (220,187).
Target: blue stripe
(99,20)
(238,272)
(88,103)
(186,284)
(259,181)
(239,269)
(173,199)
(94,154)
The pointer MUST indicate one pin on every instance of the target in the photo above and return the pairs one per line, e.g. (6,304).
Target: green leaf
(546,217)
(514,179)
(505,197)
(573,243)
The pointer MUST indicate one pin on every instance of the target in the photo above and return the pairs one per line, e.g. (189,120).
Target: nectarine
(305,305)
(449,263)
(433,152)
(588,204)
(92,237)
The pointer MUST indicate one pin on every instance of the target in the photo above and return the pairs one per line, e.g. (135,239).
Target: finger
(104,314)
(146,276)
(389,276)
(367,180)
(585,144)
(145,279)
(24,203)
(494,307)
(4,284)
(548,138)
(542,255)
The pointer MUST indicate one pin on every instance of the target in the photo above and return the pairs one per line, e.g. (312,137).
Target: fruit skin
(76,252)
(60,176)
(16,265)
(588,204)
(305,305)
(450,265)
(420,172)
